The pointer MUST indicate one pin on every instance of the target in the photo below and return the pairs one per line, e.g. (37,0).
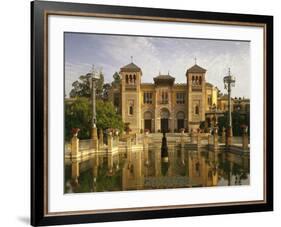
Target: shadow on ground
(24,220)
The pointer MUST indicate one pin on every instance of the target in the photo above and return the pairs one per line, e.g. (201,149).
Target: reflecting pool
(140,170)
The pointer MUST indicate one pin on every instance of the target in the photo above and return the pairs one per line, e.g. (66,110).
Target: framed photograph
(141,113)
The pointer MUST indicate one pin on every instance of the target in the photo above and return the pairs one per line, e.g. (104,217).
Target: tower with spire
(196,98)
(130,95)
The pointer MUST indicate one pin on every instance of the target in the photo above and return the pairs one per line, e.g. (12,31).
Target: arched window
(180,120)
(127,79)
(197,110)
(200,80)
(134,78)
(197,169)
(196,82)
(131,107)
(131,79)
(193,79)
(147,116)
(131,111)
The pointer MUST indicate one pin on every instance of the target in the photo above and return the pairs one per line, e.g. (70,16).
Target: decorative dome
(164,79)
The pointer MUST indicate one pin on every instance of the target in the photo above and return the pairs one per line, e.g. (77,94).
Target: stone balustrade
(75,146)
(215,138)
(195,139)
(101,143)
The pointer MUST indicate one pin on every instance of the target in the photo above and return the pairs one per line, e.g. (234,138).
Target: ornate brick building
(163,105)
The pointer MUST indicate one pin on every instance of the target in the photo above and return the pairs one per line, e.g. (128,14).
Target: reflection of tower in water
(164,155)
(164,168)
(164,148)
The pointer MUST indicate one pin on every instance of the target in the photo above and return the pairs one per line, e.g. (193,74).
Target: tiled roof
(163,77)
(131,67)
(196,69)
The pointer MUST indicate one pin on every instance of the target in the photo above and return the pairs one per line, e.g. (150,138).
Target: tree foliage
(78,110)
(78,114)
(238,120)
(116,78)
(105,92)
(107,116)
(82,87)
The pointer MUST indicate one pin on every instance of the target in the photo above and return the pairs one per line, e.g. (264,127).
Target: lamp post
(94,78)
(229,81)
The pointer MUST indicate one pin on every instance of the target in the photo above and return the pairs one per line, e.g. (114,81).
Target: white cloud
(159,54)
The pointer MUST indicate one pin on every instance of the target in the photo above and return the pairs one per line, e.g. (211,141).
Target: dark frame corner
(39,114)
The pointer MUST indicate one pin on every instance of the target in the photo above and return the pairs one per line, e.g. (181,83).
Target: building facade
(238,104)
(163,105)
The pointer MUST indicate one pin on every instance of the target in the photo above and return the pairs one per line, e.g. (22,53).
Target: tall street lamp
(229,81)
(94,78)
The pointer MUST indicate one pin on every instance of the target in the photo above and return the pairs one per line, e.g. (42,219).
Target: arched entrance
(147,116)
(180,120)
(164,114)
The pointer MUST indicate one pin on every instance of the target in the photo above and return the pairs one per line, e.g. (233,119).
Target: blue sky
(154,54)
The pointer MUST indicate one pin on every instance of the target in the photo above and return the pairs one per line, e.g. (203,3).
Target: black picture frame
(39,110)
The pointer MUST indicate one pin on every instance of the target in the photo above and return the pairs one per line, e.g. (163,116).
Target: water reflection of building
(185,169)
(198,168)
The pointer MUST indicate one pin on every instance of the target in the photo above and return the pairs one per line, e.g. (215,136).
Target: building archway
(147,116)
(164,115)
(180,120)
